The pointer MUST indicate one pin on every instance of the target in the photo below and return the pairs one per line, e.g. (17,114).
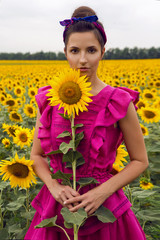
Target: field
(19,83)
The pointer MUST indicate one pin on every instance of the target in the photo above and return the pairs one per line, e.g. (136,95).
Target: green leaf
(4,234)
(54,152)
(71,156)
(104,215)
(64,134)
(86,181)
(28,215)
(64,176)
(13,206)
(64,116)
(78,125)
(64,147)
(79,137)
(68,225)
(74,217)
(149,215)
(49,222)
(3,185)
(143,193)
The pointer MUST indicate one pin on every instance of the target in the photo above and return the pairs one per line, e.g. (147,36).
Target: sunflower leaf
(79,137)
(74,217)
(49,222)
(86,181)
(64,134)
(71,156)
(104,215)
(64,147)
(64,116)
(54,152)
(63,176)
(149,215)
(78,125)
(68,225)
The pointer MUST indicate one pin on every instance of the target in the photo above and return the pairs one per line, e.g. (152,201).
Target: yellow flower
(149,114)
(23,137)
(10,129)
(70,91)
(2,99)
(145,184)
(10,102)
(14,116)
(19,91)
(148,95)
(141,103)
(144,130)
(32,92)
(6,142)
(120,154)
(29,110)
(18,171)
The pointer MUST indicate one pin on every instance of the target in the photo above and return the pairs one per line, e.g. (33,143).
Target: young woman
(111,118)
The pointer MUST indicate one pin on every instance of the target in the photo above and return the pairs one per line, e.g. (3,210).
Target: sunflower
(120,154)
(144,130)
(11,102)
(70,91)
(148,95)
(149,114)
(29,110)
(19,91)
(18,171)
(32,92)
(10,129)
(157,103)
(6,142)
(141,103)
(14,116)
(2,99)
(23,137)
(157,84)
(145,184)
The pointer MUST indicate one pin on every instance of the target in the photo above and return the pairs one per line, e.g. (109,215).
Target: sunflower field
(19,83)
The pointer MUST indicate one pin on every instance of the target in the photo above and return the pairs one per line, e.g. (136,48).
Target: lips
(83,69)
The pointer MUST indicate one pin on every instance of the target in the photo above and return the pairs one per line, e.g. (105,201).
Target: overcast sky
(33,25)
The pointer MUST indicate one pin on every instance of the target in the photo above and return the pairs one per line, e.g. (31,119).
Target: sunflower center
(12,131)
(15,116)
(18,91)
(32,93)
(10,103)
(149,114)
(141,104)
(70,93)
(30,110)
(23,137)
(18,170)
(148,95)
(143,130)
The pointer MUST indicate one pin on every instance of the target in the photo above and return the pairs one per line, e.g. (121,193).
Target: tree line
(112,53)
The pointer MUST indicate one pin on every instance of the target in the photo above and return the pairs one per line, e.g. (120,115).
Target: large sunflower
(149,114)
(120,158)
(18,171)
(71,91)
(14,116)
(23,137)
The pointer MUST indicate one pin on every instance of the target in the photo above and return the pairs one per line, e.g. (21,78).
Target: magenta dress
(101,139)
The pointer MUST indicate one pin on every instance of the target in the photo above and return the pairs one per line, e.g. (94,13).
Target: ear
(65,52)
(103,52)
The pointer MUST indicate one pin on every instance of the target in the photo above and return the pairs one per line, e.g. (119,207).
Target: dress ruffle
(115,109)
(44,133)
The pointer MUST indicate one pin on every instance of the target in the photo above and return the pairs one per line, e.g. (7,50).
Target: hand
(61,193)
(90,201)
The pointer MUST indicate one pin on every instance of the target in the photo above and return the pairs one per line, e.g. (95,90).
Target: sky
(33,25)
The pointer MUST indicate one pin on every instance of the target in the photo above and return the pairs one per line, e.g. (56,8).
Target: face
(84,52)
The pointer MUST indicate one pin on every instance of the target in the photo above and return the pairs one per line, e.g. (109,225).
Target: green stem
(130,194)
(1,219)
(64,232)
(74,172)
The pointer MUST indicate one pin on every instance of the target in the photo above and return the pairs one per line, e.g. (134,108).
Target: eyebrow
(87,47)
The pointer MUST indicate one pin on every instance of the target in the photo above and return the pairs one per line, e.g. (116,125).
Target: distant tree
(61,56)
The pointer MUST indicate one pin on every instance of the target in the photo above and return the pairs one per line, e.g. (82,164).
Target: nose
(83,58)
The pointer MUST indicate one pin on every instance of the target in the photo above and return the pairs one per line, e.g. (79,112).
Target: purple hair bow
(68,22)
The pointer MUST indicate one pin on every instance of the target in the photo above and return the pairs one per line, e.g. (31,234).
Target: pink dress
(101,139)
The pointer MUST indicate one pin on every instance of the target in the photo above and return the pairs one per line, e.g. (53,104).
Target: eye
(92,50)
(74,50)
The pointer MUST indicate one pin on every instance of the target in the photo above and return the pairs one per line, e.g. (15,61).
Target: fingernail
(64,202)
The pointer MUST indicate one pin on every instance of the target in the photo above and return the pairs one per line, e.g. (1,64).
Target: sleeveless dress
(101,139)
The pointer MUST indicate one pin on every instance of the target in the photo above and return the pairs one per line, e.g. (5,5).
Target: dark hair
(83,26)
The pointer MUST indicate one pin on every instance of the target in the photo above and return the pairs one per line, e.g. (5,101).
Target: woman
(111,118)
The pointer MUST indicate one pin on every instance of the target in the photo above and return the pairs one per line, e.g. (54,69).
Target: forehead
(80,39)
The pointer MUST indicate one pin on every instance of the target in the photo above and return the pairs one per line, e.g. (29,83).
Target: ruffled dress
(102,137)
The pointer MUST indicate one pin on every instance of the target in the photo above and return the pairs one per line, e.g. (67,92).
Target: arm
(41,168)
(134,141)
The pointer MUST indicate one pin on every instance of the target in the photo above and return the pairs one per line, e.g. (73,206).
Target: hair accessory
(92,19)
